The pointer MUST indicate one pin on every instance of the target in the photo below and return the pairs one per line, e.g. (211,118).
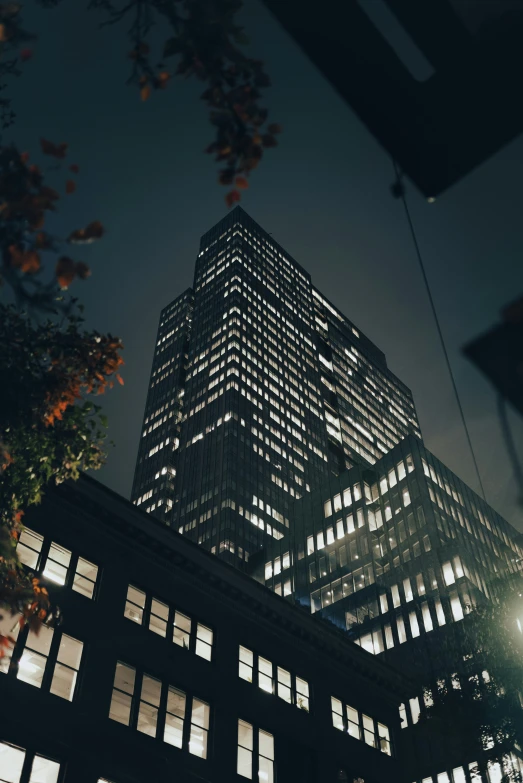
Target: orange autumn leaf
(82,270)
(65,272)
(3,34)
(242,183)
(70,186)
(163,78)
(26,261)
(145,91)
(54,150)
(232,197)
(119,379)
(94,230)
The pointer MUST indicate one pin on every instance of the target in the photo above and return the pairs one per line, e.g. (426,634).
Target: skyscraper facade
(260,389)
(275,429)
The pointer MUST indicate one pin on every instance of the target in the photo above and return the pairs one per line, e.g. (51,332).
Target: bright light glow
(54,577)
(28,667)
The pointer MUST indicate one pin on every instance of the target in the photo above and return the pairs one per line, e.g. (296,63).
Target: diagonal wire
(509,443)
(399,192)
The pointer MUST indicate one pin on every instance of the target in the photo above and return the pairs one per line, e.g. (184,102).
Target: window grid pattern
(360,726)
(273,679)
(160,710)
(255,753)
(168,622)
(58,564)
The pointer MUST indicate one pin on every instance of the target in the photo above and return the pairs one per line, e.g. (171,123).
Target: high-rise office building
(275,428)
(260,388)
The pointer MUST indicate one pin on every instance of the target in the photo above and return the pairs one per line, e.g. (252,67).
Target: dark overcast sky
(323,194)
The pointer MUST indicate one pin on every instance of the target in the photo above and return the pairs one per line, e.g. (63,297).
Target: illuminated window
(204,640)
(181,630)
(395,596)
(134,604)
(448,574)
(31,668)
(247,752)
(360,726)
(246,664)
(123,691)
(57,564)
(29,547)
(293,690)
(66,668)
(456,608)
(440,614)
(414,709)
(149,704)
(158,617)
(414,625)
(174,717)
(85,577)
(265,676)
(199,728)
(43,770)
(427,617)
(155,698)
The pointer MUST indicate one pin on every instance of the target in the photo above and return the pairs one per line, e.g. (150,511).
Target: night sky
(323,194)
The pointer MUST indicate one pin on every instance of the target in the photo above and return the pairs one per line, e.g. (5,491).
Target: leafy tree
(476,697)
(49,430)
(202,39)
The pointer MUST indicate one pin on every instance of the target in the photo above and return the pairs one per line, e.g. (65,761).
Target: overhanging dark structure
(499,355)
(436,82)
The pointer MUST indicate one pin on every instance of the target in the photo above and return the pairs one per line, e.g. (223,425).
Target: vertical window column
(255,753)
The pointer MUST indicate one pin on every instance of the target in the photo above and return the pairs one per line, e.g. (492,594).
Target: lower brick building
(171,665)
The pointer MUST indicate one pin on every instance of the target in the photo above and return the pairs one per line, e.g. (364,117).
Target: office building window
(29,547)
(12,758)
(174,717)
(255,757)
(66,667)
(245,670)
(85,577)
(134,604)
(123,691)
(50,660)
(162,710)
(199,728)
(360,726)
(158,617)
(170,623)
(149,704)
(33,661)
(204,639)
(57,564)
(273,679)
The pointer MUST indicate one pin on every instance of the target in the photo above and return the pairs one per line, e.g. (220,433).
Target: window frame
(255,751)
(43,556)
(51,661)
(166,687)
(29,757)
(276,682)
(365,728)
(196,626)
